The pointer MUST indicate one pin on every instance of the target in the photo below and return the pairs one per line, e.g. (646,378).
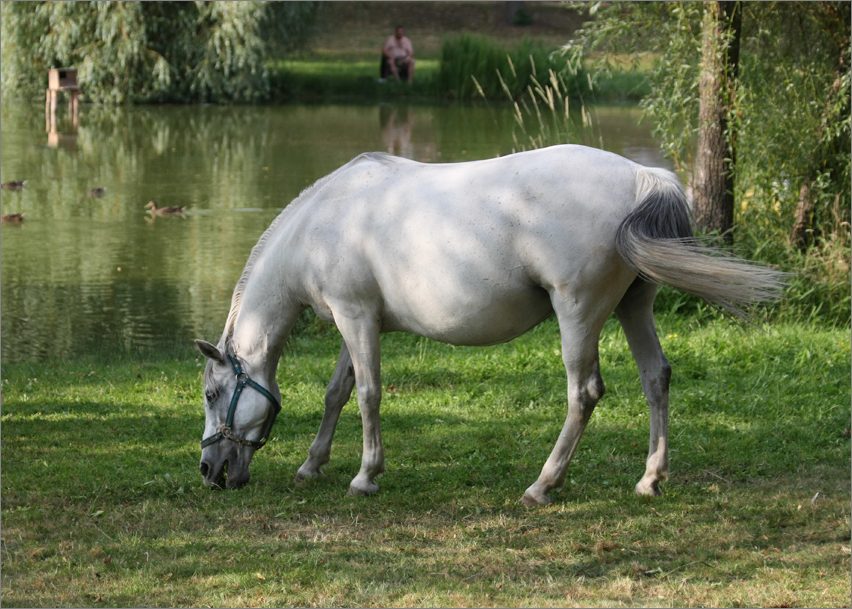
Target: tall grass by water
(473,67)
(103,505)
(468,69)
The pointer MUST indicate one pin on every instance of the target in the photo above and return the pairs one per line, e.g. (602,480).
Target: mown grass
(102,503)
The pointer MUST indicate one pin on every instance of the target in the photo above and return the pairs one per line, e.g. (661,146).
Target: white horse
(468,254)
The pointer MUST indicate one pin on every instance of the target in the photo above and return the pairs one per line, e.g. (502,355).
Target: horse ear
(209,350)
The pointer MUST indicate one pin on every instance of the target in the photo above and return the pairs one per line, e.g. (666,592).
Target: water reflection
(89,274)
(57,139)
(397,125)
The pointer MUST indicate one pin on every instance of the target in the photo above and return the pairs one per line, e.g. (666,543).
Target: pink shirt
(398,48)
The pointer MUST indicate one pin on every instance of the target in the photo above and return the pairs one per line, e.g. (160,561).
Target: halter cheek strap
(244,381)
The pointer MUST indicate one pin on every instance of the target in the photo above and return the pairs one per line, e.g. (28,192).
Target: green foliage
(473,67)
(794,118)
(794,115)
(670,32)
(791,117)
(149,51)
(792,107)
(819,276)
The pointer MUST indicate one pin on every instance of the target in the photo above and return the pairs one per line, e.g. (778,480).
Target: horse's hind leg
(338,393)
(636,314)
(361,334)
(580,334)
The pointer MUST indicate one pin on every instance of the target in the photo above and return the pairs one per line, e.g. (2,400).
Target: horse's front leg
(361,334)
(338,393)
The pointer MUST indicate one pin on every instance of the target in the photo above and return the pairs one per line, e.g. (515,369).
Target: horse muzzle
(224,469)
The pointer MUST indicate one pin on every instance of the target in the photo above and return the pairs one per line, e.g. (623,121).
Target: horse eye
(210,396)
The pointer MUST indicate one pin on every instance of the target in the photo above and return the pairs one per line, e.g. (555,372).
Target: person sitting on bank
(398,56)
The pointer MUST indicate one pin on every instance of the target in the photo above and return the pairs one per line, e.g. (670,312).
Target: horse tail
(657,242)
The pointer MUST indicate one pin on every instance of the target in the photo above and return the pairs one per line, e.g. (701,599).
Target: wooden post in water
(61,79)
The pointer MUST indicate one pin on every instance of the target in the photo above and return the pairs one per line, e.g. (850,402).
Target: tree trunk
(804,208)
(715,160)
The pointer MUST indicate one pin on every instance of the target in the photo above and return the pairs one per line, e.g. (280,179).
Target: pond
(86,274)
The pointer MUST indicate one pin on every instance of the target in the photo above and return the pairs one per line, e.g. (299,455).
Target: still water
(85,274)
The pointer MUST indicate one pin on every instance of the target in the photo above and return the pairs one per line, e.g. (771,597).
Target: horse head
(239,413)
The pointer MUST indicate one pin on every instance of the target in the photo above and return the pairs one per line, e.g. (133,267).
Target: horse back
(467,253)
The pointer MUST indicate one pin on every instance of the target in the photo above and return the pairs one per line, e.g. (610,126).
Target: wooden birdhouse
(62,79)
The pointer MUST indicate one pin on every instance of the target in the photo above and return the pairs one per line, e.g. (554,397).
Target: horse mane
(260,246)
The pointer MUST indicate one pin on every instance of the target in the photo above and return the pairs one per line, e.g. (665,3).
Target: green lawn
(102,503)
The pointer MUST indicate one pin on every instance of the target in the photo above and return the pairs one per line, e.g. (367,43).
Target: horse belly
(489,316)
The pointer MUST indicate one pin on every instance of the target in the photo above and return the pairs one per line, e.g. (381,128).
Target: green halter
(244,381)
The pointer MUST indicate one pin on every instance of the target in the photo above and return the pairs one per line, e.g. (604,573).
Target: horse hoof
(307,474)
(530,500)
(362,487)
(651,489)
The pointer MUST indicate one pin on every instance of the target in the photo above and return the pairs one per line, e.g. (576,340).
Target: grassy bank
(312,80)
(452,41)
(102,504)
(467,69)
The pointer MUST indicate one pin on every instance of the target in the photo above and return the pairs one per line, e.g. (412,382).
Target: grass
(319,77)
(473,67)
(102,503)
(315,79)
(466,67)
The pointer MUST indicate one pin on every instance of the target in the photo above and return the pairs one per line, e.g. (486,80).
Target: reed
(475,67)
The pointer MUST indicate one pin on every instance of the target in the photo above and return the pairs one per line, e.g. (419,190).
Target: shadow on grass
(446,520)
(428,455)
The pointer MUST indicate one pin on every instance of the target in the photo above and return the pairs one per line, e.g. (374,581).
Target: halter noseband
(244,381)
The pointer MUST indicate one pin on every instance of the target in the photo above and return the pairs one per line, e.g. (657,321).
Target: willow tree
(149,51)
(751,102)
